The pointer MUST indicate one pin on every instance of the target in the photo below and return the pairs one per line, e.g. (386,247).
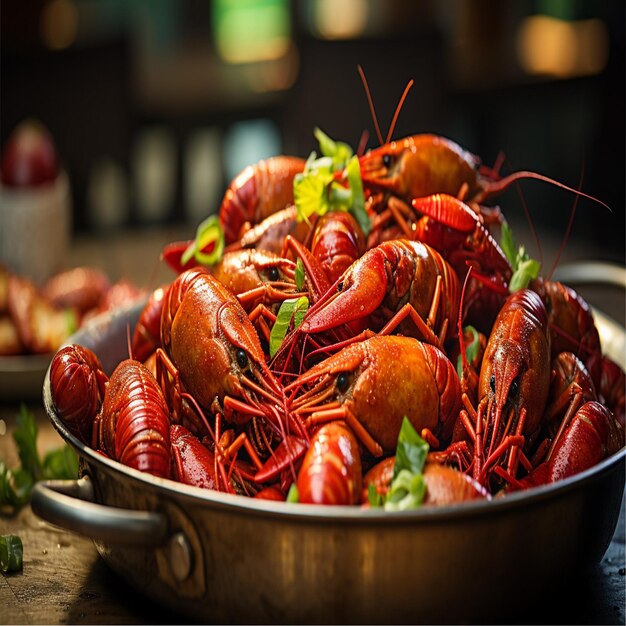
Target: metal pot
(225,558)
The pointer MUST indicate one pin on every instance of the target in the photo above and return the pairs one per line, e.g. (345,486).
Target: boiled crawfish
(373,384)
(403,284)
(257,192)
(513,386)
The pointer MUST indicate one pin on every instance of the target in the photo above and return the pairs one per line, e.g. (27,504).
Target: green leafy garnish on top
(525,268)
(407,487)
(331,182)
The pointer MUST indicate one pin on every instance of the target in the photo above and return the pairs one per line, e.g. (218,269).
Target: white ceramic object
(35,227)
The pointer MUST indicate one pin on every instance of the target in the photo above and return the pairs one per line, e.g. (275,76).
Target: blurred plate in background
(21,377)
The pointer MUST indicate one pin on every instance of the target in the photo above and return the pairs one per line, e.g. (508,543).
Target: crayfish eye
(492,383)
(387,160)
(342,382)
(273,273)
(340,286)
(242,358)
(514,389)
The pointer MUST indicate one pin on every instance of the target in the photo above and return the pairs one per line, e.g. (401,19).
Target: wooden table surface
(65,581)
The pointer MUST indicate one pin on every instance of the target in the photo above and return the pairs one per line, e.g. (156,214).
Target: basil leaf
(292,494)
(411,450)
(25,437)
(299,275)
(11,553)
(295,308)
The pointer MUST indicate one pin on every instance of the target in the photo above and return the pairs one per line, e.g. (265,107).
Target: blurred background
(156,104)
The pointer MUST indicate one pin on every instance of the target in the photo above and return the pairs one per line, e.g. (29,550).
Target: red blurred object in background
(29,158)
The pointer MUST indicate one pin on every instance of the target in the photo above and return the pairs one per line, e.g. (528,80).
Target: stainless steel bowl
(225,558)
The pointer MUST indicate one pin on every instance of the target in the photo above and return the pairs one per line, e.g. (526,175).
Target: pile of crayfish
(293,347)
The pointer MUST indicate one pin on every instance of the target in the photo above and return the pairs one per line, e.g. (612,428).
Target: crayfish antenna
(460,324)
(129,342)
(373,111)
(569,227)
(362,143)
(405,93)
(530,222)
(371,104)
(499,186)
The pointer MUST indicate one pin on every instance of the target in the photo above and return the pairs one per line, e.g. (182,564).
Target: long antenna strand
(371,103)
(398,109)
(569,226)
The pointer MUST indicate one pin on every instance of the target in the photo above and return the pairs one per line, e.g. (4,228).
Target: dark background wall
(132,66)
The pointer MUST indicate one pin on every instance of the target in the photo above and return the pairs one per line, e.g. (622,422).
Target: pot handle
(69,503)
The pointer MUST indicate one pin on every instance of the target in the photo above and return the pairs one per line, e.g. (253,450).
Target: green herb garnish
(375,499)
(294,308)
(25,437)
(407,487)
(411,450)
(471,349)
(11,553)
(299,275)
(292,494)
(209,232)
(60,463)
(318,189)
(16,484)
(339,152)
(525,269)
(406,492)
